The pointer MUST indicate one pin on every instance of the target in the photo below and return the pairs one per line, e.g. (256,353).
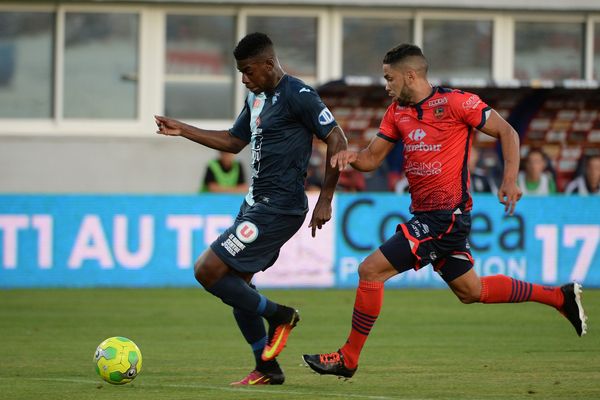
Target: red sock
(502,289)
(369,298)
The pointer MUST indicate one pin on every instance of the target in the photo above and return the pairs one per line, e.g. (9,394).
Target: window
(548,50)
(26,64)
(199,66)
(101,65)
(458,49)
(597,50)
(295,40)
(366,40)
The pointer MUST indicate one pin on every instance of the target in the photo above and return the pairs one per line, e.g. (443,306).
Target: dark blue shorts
(253,242)
(437,238)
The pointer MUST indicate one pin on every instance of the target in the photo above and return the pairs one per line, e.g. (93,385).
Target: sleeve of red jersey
(471,109)
(387,129)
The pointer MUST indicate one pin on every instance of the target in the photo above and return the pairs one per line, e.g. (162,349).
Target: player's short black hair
(401,52)
(252,45)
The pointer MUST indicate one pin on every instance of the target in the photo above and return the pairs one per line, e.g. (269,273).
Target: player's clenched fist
(343,158)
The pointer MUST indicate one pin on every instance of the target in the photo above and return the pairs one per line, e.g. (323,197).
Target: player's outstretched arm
(336,142)
(509,192)
(219,140)
(366,159)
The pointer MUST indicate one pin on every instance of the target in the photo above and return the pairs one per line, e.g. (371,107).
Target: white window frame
(82,124)
(592,21)
(57,124)
(31,125)
(337,23)
(556,18)
(195,11)
(329,47)
(453,15)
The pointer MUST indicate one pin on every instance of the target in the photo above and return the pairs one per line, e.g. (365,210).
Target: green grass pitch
(425,345)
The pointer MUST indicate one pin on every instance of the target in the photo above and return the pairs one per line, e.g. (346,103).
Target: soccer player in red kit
(436,126)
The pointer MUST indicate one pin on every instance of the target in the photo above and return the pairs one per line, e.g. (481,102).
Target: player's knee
(364,271)
(199,273)
(209,269)
(368,271)
(203,272)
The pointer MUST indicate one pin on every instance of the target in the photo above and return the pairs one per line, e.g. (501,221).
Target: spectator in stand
(481,177)
(587,183)
(224,175)
(536,178)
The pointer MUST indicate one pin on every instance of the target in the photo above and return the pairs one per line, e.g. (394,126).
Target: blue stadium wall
(152,241)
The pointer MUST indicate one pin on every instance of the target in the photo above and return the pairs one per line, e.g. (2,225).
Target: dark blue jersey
(279,127)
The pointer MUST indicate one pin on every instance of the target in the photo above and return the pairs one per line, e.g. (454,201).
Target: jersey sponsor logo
(233,245)
(255,142)
(472,102)
(437,102)
(247,232)
(417,134)
(304,90)
(423,168)
(422,146)
(325,117)
(256,151)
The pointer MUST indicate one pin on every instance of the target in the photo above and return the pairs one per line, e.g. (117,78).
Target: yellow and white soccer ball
(118,360)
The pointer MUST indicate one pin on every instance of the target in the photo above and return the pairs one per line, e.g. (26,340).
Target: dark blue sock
(253,329)
(234,291)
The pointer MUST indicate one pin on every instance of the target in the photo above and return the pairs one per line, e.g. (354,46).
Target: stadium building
(80,81)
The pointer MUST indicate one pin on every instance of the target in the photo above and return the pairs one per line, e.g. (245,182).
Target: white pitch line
(224,389)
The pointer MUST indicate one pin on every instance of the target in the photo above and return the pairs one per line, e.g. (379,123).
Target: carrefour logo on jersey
(417,134)
(326,117)
(422,146)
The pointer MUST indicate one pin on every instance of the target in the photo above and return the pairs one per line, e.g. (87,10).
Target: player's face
(396,85)
(256,73)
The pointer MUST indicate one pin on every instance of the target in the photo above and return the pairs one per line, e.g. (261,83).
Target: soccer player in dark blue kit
(279,118)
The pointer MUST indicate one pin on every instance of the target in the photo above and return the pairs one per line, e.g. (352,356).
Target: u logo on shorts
(247,232)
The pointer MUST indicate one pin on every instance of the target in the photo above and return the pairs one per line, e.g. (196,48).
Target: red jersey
(437,134)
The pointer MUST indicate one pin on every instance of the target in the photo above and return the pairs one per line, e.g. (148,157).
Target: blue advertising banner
(549,240)
(107,240)
(137,241)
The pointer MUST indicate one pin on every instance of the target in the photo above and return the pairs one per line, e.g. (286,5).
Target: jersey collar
(279,84)
(434,90)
